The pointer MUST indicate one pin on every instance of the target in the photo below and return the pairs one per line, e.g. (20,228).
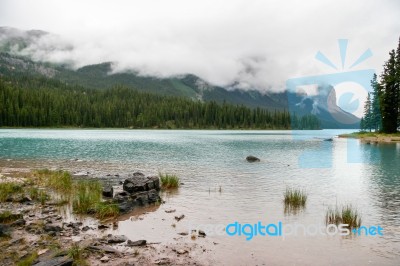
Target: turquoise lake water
(221,187)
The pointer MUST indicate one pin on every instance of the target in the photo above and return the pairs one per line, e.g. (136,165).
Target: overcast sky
(259,44)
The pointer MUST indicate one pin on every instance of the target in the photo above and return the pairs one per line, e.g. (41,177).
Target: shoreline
(372,137)
(45,231)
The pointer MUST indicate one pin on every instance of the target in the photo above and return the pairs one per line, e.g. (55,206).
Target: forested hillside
(42,102)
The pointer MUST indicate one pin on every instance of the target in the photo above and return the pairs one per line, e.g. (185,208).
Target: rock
(4,230)
(25,199)
(328,139)
(138,199)
(19,222)
(105,249)
(170,211)
(86,228)
(42,251)
(102,226)
(178,218)
(52,228)
(183,233)
(115,239)
(105,258)
(252,159)
(202,233)
(138,182)
(108,191)
(163,261)
(136,243)
(181,251)
(153,182)
(57,261)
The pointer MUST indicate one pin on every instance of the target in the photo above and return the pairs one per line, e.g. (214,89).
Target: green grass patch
(343,215)
(60,181)
(29,260)
(8,189)
(295,198)
(87,195)
(106,210)
(169,181)
(77,254)
(38,195)
(8,217)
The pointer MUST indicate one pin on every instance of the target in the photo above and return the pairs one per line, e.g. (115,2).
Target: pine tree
(367,119)
(376,118)
(362,124)
(389,95)
(397,82)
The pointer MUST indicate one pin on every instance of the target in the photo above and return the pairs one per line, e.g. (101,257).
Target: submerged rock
(252,159)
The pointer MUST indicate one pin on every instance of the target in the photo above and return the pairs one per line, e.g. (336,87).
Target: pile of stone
(138,190)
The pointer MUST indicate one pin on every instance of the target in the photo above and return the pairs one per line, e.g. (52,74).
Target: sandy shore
(372,138)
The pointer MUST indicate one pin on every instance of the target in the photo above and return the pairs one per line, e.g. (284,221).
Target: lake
(221,187)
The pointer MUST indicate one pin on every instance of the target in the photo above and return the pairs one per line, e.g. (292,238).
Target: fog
(247,44)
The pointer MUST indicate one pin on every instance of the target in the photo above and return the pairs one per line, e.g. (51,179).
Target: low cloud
(246,44)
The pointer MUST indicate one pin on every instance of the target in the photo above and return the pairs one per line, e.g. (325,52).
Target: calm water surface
(220,187)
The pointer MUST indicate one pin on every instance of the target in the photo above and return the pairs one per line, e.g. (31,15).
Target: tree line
(382,107)
(42,102)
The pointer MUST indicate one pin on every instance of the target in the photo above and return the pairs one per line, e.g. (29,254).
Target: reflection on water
(366,176)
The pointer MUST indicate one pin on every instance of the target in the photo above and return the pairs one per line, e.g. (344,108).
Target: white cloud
(256,44)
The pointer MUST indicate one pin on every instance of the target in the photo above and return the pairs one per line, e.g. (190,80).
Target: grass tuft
(344,215)
(77,254)
(8,189)
(87,196)
(169,180)
(295,198)
(106,210)
(29,260)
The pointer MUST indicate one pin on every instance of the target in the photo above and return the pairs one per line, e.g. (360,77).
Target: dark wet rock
(183,233)
(108,191)
(136,243)
(328,139)
(139,199)
(19,222)
(102,226)
(202,233)
(54,228)
(52,233)
(116,239)
(178,218)
(57,261)
(170,211)
(72,225)
(138,183)
(86,228)
(4,230)
(252,159)
(105,249)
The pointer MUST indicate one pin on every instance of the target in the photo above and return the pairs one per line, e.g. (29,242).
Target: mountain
(16,47)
